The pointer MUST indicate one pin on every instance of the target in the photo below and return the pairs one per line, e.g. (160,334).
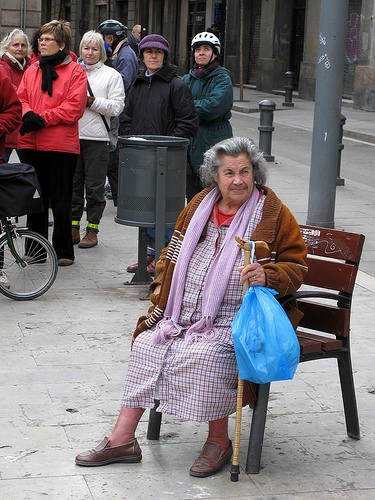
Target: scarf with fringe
(217,276)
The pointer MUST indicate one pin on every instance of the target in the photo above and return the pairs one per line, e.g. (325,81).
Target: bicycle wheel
(39,269)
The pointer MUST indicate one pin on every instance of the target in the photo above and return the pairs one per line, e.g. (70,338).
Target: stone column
(307,77)
(274,50)
(364,85)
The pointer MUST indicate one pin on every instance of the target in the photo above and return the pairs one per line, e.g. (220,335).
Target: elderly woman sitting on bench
(183,350)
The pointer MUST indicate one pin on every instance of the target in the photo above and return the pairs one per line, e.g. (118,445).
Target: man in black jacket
(124,60)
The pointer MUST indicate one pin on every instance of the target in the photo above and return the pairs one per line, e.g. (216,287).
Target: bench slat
(334,275)
(308,346)
(326,343)
(325,317)
(333,243)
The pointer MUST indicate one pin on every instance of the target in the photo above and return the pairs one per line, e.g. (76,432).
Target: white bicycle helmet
(206,38)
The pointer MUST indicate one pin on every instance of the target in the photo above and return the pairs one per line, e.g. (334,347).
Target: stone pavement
(359,124)
(64,358)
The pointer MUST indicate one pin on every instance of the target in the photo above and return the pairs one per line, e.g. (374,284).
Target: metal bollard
(289,87)
(340,181)
(265,129)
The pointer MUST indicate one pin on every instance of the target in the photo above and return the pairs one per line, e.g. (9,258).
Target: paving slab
(65,354)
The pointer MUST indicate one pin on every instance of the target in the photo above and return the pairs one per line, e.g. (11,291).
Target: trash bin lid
(153,140)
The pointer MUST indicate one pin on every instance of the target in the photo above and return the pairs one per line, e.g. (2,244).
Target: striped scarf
(202,72)
(217,276)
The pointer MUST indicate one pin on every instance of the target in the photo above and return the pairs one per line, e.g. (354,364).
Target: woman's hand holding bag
(265,343)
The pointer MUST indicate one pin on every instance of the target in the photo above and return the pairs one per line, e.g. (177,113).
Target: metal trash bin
(152,171)
(152,183)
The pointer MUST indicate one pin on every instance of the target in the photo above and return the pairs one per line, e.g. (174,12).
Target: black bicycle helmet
(112,27)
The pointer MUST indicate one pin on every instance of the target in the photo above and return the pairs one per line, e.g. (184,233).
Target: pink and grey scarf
(217,277)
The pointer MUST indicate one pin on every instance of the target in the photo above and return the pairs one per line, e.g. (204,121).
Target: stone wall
(19,14)
(364,88)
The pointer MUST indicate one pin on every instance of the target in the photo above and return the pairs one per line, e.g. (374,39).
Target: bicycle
(28,262)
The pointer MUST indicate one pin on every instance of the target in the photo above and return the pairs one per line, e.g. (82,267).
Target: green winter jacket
(213,100)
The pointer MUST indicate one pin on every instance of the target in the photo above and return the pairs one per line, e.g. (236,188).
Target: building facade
(277,35)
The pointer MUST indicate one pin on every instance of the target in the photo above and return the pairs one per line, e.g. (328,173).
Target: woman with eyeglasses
(34,48)
(53,94)
(14,52)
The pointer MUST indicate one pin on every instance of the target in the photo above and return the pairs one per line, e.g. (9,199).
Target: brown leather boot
(89,240)
(76,236)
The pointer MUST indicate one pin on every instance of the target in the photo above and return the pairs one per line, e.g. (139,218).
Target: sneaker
(4,280)
(108,191)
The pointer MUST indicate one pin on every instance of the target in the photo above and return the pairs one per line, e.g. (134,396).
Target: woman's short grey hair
(95,38)
(234,146)
(6,41)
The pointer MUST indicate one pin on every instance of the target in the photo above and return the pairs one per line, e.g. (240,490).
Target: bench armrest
(344,301)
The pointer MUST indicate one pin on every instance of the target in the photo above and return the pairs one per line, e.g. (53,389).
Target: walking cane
(235,469)
(249,251)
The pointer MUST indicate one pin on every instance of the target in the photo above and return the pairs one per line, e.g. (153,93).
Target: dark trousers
(55,173)
(193,184)
(89,181)
(112,174)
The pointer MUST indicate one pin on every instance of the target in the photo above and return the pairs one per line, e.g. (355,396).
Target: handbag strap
(103,118)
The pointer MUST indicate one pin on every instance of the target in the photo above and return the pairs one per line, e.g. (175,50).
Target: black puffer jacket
(162,105)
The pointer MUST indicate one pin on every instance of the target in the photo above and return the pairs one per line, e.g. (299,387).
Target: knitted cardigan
(284,263)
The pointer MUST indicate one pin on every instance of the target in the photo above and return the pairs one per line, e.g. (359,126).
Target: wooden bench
(324,332)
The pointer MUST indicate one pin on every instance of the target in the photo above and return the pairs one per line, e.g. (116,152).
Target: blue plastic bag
(265,343)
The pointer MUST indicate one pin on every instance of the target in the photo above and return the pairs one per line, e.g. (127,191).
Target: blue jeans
(151,234)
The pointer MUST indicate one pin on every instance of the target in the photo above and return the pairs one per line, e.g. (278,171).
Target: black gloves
(31,121)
